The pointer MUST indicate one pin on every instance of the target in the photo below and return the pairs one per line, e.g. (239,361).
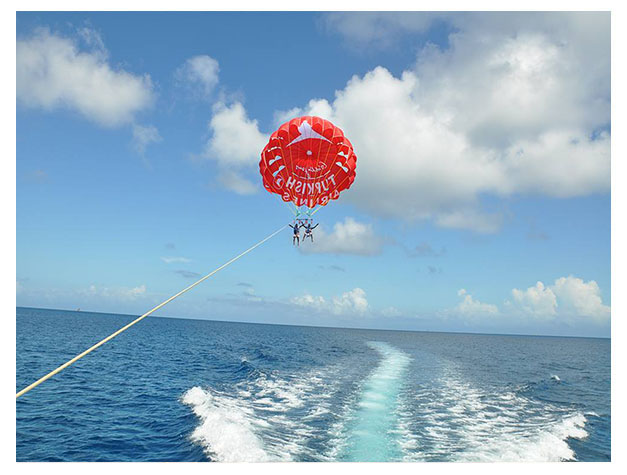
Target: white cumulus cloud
(471,307)
(352,302)
(236,140)
(199,73)
(53,72)
(580,298)
(537,300)
(235,145)
(347,237)
(567,299)
(308,300)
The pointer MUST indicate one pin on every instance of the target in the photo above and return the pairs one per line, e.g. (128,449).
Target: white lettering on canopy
(299,187)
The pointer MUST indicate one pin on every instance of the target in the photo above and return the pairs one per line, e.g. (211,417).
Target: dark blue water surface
(192,390)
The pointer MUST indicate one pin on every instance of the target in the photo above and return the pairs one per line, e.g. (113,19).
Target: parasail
(308,161)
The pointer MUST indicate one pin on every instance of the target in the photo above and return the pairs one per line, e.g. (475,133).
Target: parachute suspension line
(295,211)
(314,211)
(137,320)
(301,214)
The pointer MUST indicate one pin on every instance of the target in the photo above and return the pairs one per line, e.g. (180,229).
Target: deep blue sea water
(195,390)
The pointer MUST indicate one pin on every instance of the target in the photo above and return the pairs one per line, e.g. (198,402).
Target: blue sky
(482,198)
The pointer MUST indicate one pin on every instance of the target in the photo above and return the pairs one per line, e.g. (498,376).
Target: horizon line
(325,326)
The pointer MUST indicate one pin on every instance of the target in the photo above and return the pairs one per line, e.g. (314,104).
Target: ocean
(199,390)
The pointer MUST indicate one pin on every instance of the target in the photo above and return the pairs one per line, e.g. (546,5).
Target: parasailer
(296,228)
(309,230)
(307,162)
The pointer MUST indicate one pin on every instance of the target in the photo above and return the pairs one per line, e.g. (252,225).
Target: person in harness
(296,228)
(309,230)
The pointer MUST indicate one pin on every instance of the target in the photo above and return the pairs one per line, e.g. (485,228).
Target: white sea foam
(460,422)
(544,444)
(227,430)
(253,423)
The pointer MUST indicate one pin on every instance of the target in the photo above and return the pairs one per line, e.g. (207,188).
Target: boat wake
(390,415)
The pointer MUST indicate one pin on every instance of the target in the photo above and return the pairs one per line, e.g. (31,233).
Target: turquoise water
(372,429)
(190,390)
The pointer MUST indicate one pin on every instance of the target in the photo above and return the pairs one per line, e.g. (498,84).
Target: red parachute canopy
(308,161)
